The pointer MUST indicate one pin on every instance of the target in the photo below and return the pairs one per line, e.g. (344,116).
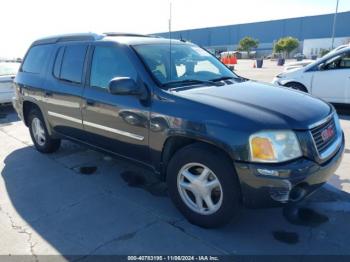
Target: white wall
(314,46)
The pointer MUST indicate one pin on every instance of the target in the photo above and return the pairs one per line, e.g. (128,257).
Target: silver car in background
(8,71)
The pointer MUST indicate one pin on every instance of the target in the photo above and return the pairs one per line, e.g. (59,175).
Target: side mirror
(124,86)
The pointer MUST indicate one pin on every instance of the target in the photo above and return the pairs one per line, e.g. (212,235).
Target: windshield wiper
(189,82)
(237,79)
(223,78)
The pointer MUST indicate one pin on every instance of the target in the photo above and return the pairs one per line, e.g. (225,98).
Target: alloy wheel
(199,188)
(38,131)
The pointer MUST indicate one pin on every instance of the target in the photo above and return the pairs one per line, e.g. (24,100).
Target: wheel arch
(210,146)
(292,81)
(176,142)
(28,106)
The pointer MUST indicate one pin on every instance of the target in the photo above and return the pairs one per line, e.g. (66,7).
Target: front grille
(316,132)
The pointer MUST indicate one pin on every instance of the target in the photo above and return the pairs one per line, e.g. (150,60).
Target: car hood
(296,65)
(261,105)
(6,77)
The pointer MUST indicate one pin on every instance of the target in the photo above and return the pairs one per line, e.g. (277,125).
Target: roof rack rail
(83,37)
(155,36)
(124,34)
(68,37)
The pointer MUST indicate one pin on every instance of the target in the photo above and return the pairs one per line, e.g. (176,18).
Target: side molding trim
(105,128)
(72,119)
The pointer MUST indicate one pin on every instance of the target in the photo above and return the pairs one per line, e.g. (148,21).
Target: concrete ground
(245,68)
(78,202)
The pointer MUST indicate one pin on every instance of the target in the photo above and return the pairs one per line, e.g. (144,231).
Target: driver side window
(343,62)
(108,63)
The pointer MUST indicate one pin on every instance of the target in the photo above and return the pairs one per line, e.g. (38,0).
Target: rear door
(332,82)
(114,122)
(63,96)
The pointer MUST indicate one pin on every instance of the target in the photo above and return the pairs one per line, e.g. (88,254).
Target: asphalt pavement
(79,202)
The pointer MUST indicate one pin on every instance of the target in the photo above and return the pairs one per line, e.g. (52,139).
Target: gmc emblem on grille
(327,134)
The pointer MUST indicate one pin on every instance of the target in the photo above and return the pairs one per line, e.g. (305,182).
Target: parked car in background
(8,71)
(299,56)
(272,56)
(218,140)
(305,62)
(339,48)
(327,78)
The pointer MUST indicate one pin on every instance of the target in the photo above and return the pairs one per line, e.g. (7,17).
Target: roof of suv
(124,38)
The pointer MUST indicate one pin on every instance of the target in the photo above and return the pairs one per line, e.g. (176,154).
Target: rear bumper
(297,179)
(17,106)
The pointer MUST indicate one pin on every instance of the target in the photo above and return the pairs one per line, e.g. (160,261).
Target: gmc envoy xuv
(218,140)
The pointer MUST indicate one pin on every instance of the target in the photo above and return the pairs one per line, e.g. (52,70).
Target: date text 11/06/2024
(173,258)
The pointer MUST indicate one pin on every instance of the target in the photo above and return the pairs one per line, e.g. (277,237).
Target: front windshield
(187,62)
(9,68)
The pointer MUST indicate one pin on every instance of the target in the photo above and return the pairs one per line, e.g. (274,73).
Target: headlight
(274,146)
(281,75)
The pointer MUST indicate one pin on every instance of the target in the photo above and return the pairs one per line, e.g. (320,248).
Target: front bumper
(297,179)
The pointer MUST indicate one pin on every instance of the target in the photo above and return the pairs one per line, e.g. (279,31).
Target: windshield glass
(9,68)
(186,64)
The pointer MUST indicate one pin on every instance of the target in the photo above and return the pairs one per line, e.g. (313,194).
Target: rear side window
(36,59)
(73,63)
(107,63)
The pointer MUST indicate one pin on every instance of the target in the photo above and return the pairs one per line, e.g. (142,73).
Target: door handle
(90,102)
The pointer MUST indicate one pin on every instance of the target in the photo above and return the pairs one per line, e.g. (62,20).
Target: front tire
(203,185)
(39,134)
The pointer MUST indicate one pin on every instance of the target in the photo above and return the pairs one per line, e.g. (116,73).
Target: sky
(23,21)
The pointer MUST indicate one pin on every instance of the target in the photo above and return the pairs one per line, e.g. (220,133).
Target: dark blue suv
(218,140)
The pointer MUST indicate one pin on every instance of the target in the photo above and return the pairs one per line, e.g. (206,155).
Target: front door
(118,123)
(332,81)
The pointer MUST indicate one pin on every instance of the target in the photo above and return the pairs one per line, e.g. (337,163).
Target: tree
(247,43)
(286,45)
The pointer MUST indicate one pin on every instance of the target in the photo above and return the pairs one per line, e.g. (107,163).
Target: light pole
(170,20)
(334,23)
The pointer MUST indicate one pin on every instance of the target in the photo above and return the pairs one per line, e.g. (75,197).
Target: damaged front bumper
(272,184)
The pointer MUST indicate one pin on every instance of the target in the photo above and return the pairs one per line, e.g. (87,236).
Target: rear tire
(203,185)
(39,134)
(296,86)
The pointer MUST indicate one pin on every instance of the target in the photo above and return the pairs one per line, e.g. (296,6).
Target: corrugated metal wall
(302,28)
